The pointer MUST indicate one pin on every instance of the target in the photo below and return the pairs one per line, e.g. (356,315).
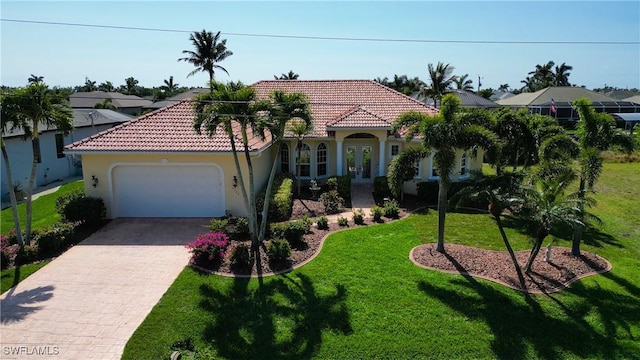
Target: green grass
(44,209)
(11,277)
(363,298)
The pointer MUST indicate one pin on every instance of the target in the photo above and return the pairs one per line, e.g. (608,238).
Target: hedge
(281,202)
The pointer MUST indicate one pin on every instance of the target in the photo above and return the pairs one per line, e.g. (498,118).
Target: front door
(358,160)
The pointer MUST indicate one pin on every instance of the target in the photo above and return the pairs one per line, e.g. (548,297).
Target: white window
(321,160)
(433,169)
(395,150)
(464,165)
(418,170)
(284,158)
(305,161)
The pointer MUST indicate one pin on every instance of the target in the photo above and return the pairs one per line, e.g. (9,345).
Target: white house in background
(54,165)
(127,104)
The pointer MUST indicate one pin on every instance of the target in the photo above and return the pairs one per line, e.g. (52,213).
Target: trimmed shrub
(344,186)
(278,251)
(323,223)
(292,231)
(332,183)
(281,202)
(63,200)
(391,209)
(26,255)
(332,201)
(381,186)
(219,225)
(208,249)
(240,256)
(82,209)
(306,224)
(241,226)
(358,217)
(54,238)
(343,221)
(376,213)
(8,252)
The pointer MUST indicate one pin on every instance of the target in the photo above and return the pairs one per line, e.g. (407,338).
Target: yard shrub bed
(208,250)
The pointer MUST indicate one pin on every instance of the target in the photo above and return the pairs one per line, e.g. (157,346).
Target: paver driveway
(88,302)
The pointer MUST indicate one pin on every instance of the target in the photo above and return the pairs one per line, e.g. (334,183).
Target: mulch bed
(546,277)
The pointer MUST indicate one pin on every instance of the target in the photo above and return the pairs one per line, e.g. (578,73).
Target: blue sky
(64,55)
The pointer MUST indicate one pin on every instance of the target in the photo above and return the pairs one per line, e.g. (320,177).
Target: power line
(327,38)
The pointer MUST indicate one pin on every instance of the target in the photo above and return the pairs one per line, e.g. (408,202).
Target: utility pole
(479,83)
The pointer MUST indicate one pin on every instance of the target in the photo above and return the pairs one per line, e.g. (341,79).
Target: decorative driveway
(87,303)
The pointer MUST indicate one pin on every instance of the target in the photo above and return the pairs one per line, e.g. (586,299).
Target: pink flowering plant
(208,249)
(8,251)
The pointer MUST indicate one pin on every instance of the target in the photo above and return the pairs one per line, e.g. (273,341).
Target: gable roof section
(166,130)
(560,94)
(358,118)
(189,94)
(83,100)
(332,99)
(633,99)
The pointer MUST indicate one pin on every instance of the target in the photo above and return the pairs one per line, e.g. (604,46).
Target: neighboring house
(539,102)
(627,121)
(500,95)
(54,165)
(634,99)
(620,94)
(189,94)
(126,104)
(468,100)
(157,166)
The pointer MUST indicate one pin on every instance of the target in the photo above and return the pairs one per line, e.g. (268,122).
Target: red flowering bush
(8,252)
(208,249)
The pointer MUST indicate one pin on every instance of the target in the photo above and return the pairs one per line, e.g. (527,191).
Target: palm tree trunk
(515,162)
(442,212)
(267,198)
(12,195)
(298,167)
(578,228)
(243,190)
(35,143)
(536,248)
(253,213)
(510,250)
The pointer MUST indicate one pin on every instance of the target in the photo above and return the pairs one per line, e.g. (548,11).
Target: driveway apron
(87,303)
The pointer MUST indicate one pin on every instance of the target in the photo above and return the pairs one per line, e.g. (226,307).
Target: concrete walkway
(87,303)
(361,198)
(44,190)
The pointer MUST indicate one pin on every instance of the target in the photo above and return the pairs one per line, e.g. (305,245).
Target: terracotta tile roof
(331,99)
(358,117)
(334,103)
(166,130)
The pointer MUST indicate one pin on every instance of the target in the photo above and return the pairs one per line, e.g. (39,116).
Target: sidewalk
(361,198)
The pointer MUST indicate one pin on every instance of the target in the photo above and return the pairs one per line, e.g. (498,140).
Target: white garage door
(167,191)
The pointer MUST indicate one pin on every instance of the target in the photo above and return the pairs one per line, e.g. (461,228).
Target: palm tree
(545,204)
(299,129)
(504,88)
(35,79)
(289,76)
(463,82)
(500,193)
(209,50)
(562,75)
(284,108)
(105,104)
(486,93)
(169,86)
(28,108)
(596,133)
(89,85)
(543,75)
(440,80)
(443,134)
(131,86)
(106,86)
(234,108)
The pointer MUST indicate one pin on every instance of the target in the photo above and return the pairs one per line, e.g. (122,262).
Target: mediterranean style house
(158,166)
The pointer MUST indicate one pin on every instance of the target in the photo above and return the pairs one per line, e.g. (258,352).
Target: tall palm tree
(106,86)
(504,88)
(596,132)
(440,80)
(105,104)
(299,129)
(283,108)
(35,79)
(29,108)
(209,50)
(234,108)
(500,193)
(131,85)
(561,76)
(463,82)
(444,134)
(89,85)
(289,76)
(169,86)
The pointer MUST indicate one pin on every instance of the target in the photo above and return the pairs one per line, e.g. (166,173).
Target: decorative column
(382,155)
(339,158)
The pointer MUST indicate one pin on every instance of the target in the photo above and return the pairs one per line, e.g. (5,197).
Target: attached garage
(167,190)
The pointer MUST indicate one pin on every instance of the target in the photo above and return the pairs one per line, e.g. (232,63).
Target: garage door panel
(168,191)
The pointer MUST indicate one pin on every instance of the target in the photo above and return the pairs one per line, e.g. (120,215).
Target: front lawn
(11,277)
(44,209)
(363,298)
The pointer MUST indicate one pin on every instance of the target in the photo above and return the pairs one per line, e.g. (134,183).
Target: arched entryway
(360,157)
